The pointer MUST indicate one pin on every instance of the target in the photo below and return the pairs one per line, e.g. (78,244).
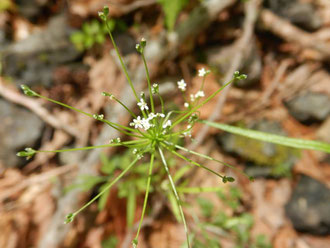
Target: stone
(31,9)
(301,14)
(309,107)
(220,58)
(309,207)
(33,60)
(19,129)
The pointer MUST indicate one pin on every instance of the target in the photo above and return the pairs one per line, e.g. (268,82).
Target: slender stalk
(100,146)
(149,83)
(207,157)
(106,188)
(175,194)
(146,196)
(116,126)
(122,104)
(192,162)
(121,62)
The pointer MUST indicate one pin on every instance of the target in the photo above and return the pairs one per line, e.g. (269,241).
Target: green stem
(175,194)
(149,83)
(161,103)
(106,188)
(122,104)
(146,196)
(100,146)
(192,162)
(207,157)
(112,124)
(184,116)
(121,62)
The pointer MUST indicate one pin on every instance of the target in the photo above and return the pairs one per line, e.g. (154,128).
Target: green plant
(94,32)
(237,226)
(152,133)
(171,10)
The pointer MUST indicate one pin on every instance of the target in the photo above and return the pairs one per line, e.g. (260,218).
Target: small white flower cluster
(143,105)
(182,85)
(187,132)
(145,124)
(198,95)
(202,72)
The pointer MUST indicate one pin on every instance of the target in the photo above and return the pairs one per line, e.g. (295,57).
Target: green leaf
(131,206)
(206,206)
(171,9)
(272,138)
(103,198)
(174,206)
(197,190)
(85,183)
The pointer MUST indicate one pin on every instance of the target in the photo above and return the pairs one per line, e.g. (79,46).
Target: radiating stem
(116,126)
(149,83)
(107,187)
(146,196)
(192,162)
(121,62)
(207,157)
(100,146)
(175,194)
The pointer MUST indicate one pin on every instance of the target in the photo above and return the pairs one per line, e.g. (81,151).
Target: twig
(35,107)
(41,178)
(251,10)
(291,33)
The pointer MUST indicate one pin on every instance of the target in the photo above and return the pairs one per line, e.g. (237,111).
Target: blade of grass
(175,194)
(272,138)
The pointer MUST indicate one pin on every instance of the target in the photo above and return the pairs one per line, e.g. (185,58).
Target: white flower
(161,115)
(192,97)
(155,85)
(202,72)
(145,123)
(137,123)
(182,85)
(199,94)
(142,104)
(151,116)
(186,105)
(134,151)
(167,124)
(118,140)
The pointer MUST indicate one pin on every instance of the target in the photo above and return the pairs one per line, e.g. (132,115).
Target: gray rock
(31,9)
(32,61)
(220,58)
(19,129)
(309,207)
(263,159)
(301,14)
(309,107)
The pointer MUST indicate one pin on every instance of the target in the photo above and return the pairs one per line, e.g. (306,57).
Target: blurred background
(61,50)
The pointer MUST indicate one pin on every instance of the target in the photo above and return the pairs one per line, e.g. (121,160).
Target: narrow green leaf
(131,206)
(197,190)
(272,138)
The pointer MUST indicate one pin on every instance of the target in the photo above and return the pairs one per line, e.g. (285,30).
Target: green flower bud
(69,218)
(27,91)
(28,153)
